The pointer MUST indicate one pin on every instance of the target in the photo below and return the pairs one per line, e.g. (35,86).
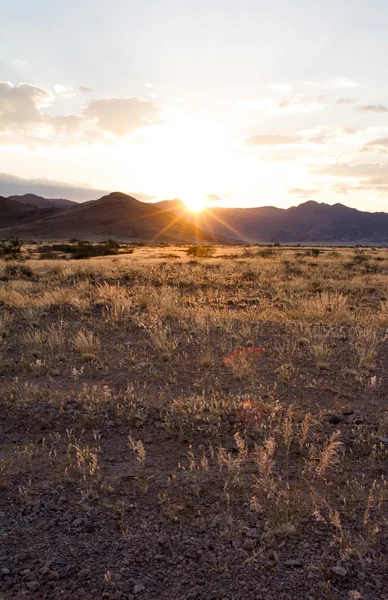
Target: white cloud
(336,83)
(20,104)
(50,188)
(342,82)
(377,108)
(68,91)
(358,176)
(301,103)
(23,121)
(214,198)
(272,139)
(282,88)
(345,101)
(175,98)
(378,145)
(121,116)
(317,137)
(302,193)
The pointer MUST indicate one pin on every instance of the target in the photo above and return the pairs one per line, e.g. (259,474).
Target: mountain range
(125,218)
(114,216)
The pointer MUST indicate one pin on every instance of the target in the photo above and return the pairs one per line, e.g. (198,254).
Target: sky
(248,103)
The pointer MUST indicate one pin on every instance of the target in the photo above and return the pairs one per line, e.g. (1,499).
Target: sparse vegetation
(224,419)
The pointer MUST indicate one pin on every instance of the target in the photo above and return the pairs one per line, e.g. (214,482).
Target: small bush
(88,345)
(266,253)
(200,251)
(81,250)
(18,271)
(10,248)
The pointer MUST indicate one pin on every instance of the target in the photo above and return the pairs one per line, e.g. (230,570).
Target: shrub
(18,271)
(200,251)
(82,249)
(88,345)
(266,253)
(11,247)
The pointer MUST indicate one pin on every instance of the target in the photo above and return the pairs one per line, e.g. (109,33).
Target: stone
(5,571)
(137,589)
(83,573)
(293,563)
(339,571)
(33,586)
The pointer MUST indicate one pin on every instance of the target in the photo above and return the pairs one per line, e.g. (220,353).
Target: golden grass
(88,345)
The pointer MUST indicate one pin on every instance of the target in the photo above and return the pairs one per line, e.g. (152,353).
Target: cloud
(175,98)
(345,101)
(24,122)
(343,82)
(366,176)
(301,103)
(378,108)
(49,188)
(121,116)
(69,91)
(356,171)
(318,137)
(274,139)
(379,145)
(336,83)
(302,193)
(67,124)
(283,88)
(20,104)
(278,158)
(214,198)
(321,138)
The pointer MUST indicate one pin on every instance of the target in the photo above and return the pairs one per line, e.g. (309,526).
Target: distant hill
(122,217)
(310,222)
(41,202)
(13,214)
(115,216)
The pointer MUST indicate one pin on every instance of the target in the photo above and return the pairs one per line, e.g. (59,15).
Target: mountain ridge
(41,202)
(123,217)
(115,215)
(308,222)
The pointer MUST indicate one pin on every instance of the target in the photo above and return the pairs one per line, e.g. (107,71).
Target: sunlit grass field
(220,415)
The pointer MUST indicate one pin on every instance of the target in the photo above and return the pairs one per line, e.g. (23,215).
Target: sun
(194,203)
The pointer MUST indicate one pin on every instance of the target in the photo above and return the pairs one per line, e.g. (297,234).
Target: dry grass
(88,345)
(246,458)
(162,339)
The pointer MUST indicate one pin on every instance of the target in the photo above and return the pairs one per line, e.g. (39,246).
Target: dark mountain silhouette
(310,222)
(122,217)
(115,216)
(13,214)
(41,202)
